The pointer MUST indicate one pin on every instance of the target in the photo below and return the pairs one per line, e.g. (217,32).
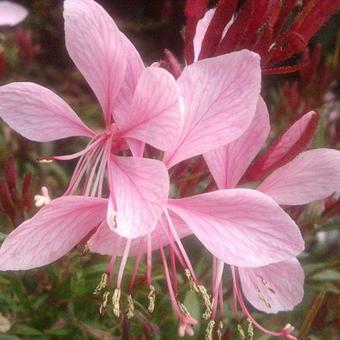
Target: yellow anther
(265,283)
(104,303)
(116,302)
(219,330)
(250,335)
(152,298)
(192,283)
(201,290)
(240,331)
(45,161)
(114,218)
(102,284)
(208,303)
(263,299)
(131,307)
(184,309)
(209,330)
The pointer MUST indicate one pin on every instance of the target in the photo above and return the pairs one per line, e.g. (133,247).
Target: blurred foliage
(57,302)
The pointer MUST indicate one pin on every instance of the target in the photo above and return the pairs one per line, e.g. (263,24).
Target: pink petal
(219,106)
(39,114)
(51,233)
(228,163)
(311,176)
(201,29)
(295,140)
(141,188)
(96,47)
(273,288)
(134,69)
(106,242)
(205,22)
(136,147)
(155,115)
(11,14)
(241,227)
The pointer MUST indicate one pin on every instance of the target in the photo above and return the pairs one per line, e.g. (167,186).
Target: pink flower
(310,176)
(242,227)
(11,13)
(219,105)
(143,102)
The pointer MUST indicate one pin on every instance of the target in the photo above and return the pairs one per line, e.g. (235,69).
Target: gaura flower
(11,14)
(143,102)
(241,227)
(218,108)
(312,175)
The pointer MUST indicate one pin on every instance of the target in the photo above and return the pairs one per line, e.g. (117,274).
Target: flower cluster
(276,30)
(120,199)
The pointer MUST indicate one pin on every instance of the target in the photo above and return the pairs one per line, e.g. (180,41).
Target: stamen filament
(98,185)
(135,267)
(90,146)
(219,266)
(123,263)
(172,244)
(89,180)
(180,245)
(168,280)
(284,333)
(110,269)
(149,260)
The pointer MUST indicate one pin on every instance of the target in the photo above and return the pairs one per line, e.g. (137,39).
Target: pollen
(263,299)
(203,292)
(152,298)
(208,303)
(116,302)
(209,330)
(104,303)
(192,283)
(265,283)
(184,309)
(114,218)
(45,161)
(102,284)
(131,307)
(240,331)
(250,330)
(220,329)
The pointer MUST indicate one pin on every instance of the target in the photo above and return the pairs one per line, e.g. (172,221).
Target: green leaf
(62,331)
(96,269)
(26,330)
(192,303)
(327,275)
(331,225)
